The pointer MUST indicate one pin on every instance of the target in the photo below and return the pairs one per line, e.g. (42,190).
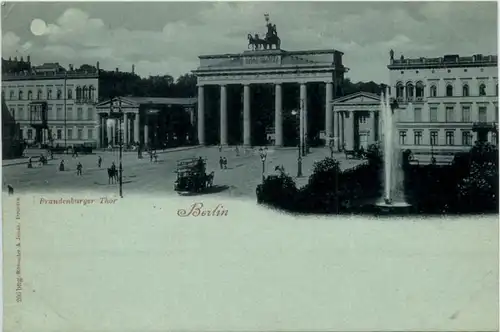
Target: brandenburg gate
(269,66)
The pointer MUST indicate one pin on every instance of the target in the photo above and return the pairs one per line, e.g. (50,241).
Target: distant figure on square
(61,166)
(99,162)
(79,168)
(220,148)
(237,151)
(30,165)
(221,162)
(224,162)
(156,157)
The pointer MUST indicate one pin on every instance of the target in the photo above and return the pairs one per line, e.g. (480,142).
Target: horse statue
(256,43)
(272,37)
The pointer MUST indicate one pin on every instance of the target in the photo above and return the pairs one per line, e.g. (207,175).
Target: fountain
(393,200)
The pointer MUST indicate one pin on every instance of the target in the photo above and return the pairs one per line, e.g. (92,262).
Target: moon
(38,27)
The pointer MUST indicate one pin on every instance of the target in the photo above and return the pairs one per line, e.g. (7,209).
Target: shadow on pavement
(211,190)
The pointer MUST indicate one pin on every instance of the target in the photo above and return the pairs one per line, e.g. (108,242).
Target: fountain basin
(395,207)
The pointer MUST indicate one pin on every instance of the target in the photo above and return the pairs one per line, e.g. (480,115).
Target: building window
(417,115)
(80,133)
(59,134)
(79,113)
(78,93)
(450,114)
(69,113)
(419,91)
(482,114)
(59,94)
(49,94)
(465,90)
(70,94)
(21,113)
(30,133)
(482,89)
(11,94)
(361,119)
(13,113)
(85,93)
(449,90)
(39,94)
(49,112)
(434,138)
(496,114)
(59,115)
(494,139)
(30,95)
(70,133)
(91,93)
(433,91)
(466,138)
(434,114)
(450,138)
(496,90)
(409,91)
(90,113)
(465,114)
(400,90)
(417,137)
(402,137)
(90,134)
(20,95)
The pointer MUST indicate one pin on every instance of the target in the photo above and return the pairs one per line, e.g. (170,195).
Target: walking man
(79,168)
(99,162)
(221,162)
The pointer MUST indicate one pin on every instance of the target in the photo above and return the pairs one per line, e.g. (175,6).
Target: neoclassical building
(52,105)
(276,67)
(444,101)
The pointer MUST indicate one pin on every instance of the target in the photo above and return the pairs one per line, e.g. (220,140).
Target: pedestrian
(221,162)
(99,162)
(61,166)
(237,151)
(79,168)
(220,148)
(225,163)
(151,156)
(156,157)
(30,165)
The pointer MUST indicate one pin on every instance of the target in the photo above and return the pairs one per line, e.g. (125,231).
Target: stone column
(247,141)
(373,127)
(125,129)
(349,130)
(109,132)
(146,132)
(223,115)
(201,115)
(102,138)
(278,116)
(336,130)
(303,105)
(328,112)
(136,127)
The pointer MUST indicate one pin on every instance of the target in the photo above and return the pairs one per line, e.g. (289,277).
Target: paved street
(240,179)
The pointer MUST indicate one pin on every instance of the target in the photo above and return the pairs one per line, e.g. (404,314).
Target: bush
(279,191)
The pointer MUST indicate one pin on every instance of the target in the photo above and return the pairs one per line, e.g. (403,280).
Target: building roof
(453,60)
(358,98)
(162,101)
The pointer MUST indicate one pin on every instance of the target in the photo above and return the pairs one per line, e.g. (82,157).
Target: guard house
(145,120)
(267,63)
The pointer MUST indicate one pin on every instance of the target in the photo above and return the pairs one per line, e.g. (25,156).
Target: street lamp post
(304,129)
(120,118)
(299,155)
(263,157)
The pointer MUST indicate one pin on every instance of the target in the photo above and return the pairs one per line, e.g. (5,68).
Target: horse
(210,179)
(273,40)
(10,189)
(112,175)
(256,42)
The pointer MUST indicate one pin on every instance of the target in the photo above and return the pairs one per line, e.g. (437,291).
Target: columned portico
(355,120)
(136,128)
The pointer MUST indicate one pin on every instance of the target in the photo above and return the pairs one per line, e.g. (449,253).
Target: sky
(167,37)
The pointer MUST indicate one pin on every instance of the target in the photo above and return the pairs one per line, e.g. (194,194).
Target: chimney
(133,69)
(97,65)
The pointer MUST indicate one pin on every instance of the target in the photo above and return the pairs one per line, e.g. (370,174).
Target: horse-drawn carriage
(192,176)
